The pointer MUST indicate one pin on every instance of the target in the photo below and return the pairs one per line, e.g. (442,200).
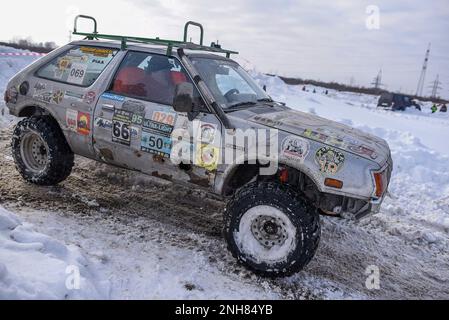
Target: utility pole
(422,78)
(70,36)
(435,87)
(377,82)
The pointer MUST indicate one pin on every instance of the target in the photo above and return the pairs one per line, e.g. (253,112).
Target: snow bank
(9,66)
(35,266)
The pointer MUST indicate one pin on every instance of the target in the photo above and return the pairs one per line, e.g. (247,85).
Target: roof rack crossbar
(193,23)
(75,27)
(156,41)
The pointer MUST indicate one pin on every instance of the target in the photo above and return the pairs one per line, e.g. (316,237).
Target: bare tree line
(29,44)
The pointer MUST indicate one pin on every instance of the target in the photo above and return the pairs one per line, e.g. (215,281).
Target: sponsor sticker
(83,123)
(58,96)
(363,150)
(157,127)
(207,133)
(90,97)
(207,156)
(329,160)
(103,123)
(71,119)
(295,148)
(315,135)
(113,97)
(96,51)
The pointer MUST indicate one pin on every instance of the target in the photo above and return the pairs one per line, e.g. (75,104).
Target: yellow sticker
(96,51)
(207,156)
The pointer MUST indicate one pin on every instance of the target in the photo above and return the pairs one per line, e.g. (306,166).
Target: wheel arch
(32,110)
(237,175)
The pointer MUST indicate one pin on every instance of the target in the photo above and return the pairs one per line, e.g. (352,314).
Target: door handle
(108,107)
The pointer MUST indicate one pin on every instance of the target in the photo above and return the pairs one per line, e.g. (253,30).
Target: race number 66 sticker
(77,73)
(121,133)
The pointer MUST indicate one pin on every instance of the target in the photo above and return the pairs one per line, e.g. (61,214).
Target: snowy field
(136,237)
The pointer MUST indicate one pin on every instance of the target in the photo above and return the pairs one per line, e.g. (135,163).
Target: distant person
(434,108)
(327,92)
(443,108)
(304,88)
(314,91)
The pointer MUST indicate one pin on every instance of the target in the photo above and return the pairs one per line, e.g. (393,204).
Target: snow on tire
(40,151)
(271,229)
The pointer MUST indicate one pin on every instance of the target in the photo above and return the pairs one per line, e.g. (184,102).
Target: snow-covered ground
(133,236)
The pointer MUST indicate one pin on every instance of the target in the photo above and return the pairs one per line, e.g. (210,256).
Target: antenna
(422,78)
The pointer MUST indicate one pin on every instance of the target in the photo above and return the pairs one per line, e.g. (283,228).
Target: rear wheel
(40,151)
(271,229)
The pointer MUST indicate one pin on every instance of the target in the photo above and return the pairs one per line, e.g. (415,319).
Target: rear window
(79,66)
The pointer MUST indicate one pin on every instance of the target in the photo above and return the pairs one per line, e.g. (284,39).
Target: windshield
(228,82)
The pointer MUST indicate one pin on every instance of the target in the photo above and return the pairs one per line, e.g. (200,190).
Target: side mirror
(183,99)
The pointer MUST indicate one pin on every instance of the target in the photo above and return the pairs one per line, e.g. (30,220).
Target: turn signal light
(333,183)
(379,184)
(283,175)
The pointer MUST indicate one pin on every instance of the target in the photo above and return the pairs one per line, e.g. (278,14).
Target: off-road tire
(60,158)
(303,216)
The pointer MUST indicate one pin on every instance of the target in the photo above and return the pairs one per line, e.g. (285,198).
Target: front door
(136,127)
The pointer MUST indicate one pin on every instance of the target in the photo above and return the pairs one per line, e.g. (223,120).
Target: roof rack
(216,48)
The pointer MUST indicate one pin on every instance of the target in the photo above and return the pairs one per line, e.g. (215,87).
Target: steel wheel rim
(34,152)
(281,242)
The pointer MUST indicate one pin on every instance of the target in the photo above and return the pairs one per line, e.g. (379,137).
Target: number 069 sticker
(77,73)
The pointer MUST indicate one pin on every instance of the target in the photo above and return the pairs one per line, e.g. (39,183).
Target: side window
(150,77)
(80,66)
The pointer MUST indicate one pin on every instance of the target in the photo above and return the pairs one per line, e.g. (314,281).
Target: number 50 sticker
(77,73)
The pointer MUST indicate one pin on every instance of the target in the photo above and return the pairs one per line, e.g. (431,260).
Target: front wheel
(271,229)
(40,151)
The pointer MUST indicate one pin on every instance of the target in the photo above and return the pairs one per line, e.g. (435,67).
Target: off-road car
(397,102)
(176,110)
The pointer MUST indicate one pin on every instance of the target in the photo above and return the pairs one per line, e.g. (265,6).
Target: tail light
(11,95)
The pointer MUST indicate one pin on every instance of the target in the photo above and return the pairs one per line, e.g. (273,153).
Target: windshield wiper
(237,106)
(265,100)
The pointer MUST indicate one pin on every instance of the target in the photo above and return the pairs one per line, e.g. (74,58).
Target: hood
(321,130)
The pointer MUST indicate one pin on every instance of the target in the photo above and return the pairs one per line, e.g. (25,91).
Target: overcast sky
(327,40)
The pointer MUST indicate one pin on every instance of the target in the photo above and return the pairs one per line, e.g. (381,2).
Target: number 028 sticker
(77,73)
